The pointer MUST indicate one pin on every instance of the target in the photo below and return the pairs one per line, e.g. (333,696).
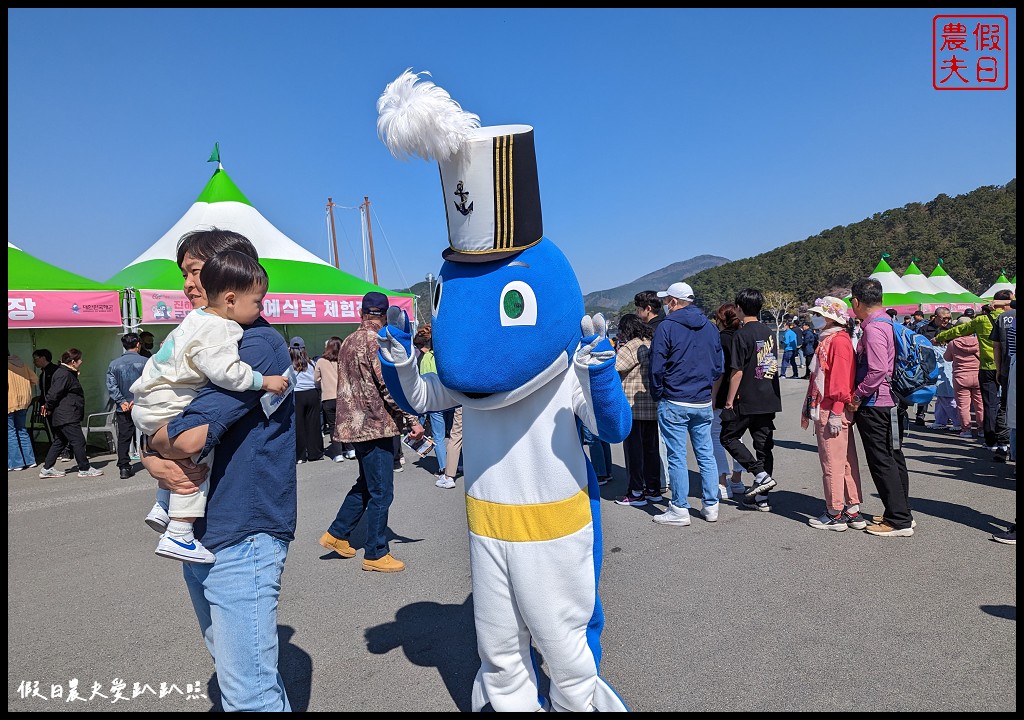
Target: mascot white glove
(595,348)
(394,339)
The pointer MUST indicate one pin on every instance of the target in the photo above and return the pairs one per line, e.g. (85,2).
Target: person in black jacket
(808,345)
(64,404)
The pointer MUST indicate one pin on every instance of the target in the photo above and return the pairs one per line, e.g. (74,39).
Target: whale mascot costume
(515,350)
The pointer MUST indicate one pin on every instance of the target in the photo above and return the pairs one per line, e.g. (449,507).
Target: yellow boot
(339,546)
(388,563)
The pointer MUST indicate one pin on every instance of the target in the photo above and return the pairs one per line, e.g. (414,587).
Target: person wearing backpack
(878,414)
(997,434)
(939,321)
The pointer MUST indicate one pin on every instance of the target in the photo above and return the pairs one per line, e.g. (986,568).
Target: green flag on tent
(215,155)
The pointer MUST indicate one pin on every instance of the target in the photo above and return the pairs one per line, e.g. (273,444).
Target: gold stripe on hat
(504,227)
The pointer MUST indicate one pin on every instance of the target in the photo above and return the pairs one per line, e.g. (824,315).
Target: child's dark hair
(232,271)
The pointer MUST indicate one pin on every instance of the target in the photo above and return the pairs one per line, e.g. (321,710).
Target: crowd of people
(707,381)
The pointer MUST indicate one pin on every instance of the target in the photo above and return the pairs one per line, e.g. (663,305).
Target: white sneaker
(710,513)
(158,518)
(51,473)
(673,516)
(724,492)
(349,454)
(192,552)
(338,458)
(445,482)
(91,472)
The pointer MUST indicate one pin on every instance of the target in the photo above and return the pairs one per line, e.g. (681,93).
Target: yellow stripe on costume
(528,523)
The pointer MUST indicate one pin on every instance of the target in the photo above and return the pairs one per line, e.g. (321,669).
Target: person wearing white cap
(832,369)
(686,367)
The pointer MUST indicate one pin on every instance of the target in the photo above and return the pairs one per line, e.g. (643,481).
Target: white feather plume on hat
(419,118)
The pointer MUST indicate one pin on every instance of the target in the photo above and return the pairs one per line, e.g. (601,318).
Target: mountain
(974,234)
(609,301)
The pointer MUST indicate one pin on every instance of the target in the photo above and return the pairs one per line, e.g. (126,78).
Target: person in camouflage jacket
(368,418)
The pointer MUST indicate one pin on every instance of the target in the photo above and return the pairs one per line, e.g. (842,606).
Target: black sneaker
(1000,453)
(855,520)
(760,487)
(919,421)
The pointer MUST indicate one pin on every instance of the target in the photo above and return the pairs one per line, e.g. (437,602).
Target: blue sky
(660,134)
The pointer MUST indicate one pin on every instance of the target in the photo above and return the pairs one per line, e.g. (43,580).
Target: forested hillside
(975,234)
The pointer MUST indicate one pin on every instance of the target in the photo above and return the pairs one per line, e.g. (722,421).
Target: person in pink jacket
(829,390)
(964,352)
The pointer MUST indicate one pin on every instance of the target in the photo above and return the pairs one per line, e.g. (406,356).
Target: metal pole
(369,236)
(334,235)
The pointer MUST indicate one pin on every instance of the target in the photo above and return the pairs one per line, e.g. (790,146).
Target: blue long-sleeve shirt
(121,373)
(252,480)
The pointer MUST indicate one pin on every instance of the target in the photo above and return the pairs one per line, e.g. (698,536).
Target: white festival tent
(1000,284)
(956,300)
(308,297)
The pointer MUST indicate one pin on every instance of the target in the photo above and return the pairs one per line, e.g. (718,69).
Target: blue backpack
(915,370)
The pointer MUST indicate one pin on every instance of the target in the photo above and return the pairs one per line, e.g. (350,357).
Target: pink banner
(63,308)
(163,306)
(953,307)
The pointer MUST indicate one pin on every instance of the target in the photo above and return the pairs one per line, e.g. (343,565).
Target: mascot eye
(436,300)
(518,304)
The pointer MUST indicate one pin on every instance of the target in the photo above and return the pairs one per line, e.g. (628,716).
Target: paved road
(757,612)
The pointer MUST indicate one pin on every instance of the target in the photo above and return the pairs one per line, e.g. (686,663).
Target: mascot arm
(414,393)
(599,400)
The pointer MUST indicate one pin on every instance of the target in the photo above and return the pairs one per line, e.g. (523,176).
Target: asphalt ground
(757,612)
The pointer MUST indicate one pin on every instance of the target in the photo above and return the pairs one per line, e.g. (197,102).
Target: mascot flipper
(514,349)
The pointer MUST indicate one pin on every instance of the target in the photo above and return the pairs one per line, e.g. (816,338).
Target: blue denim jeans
(372,494)
(600,453)
(440,423)
(19,443)
(236,601)
(676,423)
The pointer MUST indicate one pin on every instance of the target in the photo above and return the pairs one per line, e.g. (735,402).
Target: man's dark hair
(647,297)
(1002,295)
(204,244)
(130,341)
(43,353)
(232,271)
(891,312)
(869,292)
(750,300)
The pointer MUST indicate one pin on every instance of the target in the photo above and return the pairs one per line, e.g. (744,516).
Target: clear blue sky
(660,134)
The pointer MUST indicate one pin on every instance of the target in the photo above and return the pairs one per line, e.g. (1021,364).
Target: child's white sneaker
(158,518)
(192,551)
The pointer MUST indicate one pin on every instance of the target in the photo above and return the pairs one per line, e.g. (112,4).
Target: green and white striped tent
(1001,283)
(958,293)
(307,296)
(937,296)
